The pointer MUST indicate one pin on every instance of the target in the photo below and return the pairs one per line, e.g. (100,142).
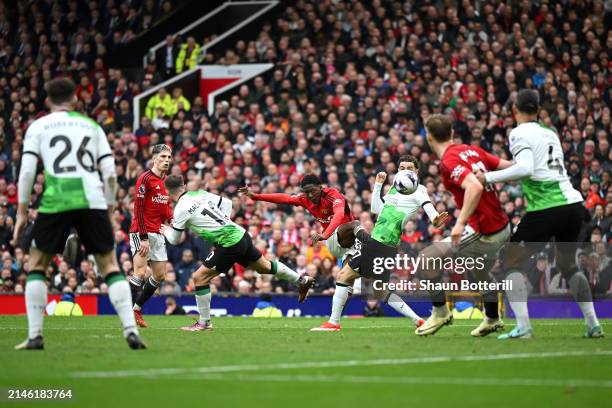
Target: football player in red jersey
(327,204)
(151,210)
(482,227)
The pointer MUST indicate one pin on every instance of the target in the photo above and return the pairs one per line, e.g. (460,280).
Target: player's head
(527,103)
(61,92)
(439,129)
(175,186)
(311,186)
(162,157)
(408,162)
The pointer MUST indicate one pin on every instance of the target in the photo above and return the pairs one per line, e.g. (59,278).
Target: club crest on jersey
(457,172)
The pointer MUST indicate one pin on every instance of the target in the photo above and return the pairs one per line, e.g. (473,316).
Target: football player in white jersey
(207,215)
(394,211)
(554,210)
(72,148)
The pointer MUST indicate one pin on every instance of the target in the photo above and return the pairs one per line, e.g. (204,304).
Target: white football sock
(203,299)
(283,272)
(581,291)
(517,297)
(588,311)
(340,297)
(121,297)
(398,304)
(36,301)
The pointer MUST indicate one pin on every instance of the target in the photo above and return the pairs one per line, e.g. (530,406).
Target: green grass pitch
(278,362)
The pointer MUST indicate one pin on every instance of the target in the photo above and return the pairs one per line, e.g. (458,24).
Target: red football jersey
(152,204)
(457,162)
(331,212)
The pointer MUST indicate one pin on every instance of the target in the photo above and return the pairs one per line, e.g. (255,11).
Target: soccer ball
(406,182)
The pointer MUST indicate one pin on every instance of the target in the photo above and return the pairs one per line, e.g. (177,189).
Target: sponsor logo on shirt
(325,220)
(160,199)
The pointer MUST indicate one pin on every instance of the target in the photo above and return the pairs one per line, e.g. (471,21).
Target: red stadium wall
(15,304)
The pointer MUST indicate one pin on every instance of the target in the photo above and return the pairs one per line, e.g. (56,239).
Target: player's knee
(346,276)
(203,276)
(39,260)
(106,262)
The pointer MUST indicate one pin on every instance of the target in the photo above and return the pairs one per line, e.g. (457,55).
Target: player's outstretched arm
(522,167)
(277,198)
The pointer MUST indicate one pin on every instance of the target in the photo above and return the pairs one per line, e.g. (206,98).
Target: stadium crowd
(352,86)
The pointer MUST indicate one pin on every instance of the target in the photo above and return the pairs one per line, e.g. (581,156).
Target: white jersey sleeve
(31,143)
(518,141)
(377,201)
(103,148)
(180,216)
(424,201)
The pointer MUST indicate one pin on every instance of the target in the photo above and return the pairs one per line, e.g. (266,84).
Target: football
(406,182)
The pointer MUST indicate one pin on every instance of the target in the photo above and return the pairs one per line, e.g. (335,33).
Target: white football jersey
(200,212)
(70,146)
(398,209)
(549,186)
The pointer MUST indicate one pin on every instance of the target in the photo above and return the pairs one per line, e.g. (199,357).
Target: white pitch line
(330,379)
(156,372)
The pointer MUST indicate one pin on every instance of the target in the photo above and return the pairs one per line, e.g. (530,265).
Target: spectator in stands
(188,55)
(166,57)
(185,267)
(172,308)
(161,100)
(178,102)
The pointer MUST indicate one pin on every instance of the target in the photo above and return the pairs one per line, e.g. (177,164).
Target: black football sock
(135,287)
(148,290)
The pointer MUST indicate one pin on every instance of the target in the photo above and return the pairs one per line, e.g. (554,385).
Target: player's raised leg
(283,272)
